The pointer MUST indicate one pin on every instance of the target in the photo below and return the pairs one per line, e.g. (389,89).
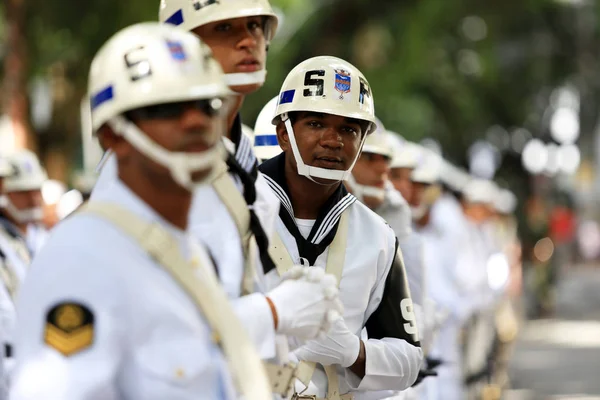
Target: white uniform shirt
(149,339)
(14,261)
(211,222)
(392,363)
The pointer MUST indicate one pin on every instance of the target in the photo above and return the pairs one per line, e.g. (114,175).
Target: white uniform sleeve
(393,354)
(255,314)
(85,368)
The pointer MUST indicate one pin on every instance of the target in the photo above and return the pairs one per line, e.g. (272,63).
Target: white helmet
(5,168)
(190,14)
(405,154)
(378,142)
(453,177)
(505,202)
(246,130)
(326,85)
(375,143)
(28,174)
(428,166)
(265,133)
(150,64)
(480,191)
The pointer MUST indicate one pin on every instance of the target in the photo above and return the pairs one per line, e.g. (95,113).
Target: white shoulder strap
(335,266)
(238,209)
(209,296)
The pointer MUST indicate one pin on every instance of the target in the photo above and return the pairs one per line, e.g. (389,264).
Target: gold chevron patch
(69,328)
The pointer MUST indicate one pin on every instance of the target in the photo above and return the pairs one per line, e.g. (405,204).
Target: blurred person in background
(440,238)
(22,213)
(483,273)
(7,292)
(370,183)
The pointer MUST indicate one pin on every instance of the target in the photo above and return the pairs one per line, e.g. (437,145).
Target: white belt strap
(14,259)
(243,360)
(238,209)
(335,266)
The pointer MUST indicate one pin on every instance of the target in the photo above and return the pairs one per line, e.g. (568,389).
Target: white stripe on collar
(333,217)
(330,220)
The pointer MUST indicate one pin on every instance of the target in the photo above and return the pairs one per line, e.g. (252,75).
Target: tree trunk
(14,85)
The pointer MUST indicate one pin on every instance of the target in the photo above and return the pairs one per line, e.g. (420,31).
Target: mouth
(196,147)
(248,64)
(329,162)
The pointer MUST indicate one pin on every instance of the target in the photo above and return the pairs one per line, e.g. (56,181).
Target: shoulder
(82,253)
(365,223)
(369,221)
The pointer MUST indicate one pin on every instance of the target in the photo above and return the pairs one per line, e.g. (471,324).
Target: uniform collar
(325,227)
(244,152)
(11,228)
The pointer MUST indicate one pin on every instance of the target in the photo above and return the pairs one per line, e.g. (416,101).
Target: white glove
(306,302)
(340,347)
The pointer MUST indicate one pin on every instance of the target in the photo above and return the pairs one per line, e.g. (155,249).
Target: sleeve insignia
(69,328)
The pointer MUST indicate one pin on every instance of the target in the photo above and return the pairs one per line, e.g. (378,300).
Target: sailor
(324,115)
(122,303)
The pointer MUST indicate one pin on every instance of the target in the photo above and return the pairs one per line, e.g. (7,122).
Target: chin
(325,182)
(246,89)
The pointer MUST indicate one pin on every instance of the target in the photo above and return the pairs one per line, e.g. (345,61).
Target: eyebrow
(314,114)
(311,114)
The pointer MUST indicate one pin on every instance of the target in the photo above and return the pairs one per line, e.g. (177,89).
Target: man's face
(324,140)
(477,212)
(239,45)
(371,170)
(188,127)
(26,199)
(418,193)
(400,177)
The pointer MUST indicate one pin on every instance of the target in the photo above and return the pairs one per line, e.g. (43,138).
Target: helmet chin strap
(22,216)
(362,191)
(246,78)
(315,172)
(419,211)
(182,165)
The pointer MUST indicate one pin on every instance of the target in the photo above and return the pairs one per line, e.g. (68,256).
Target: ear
(110,140)
(282,136)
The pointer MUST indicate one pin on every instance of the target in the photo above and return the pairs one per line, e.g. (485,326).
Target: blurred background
(509,90)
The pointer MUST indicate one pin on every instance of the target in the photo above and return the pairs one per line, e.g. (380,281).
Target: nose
(195,119)
(246,39)
(331,139)
(381,165)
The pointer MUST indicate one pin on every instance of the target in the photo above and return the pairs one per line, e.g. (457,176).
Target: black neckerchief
(244,166)
(325,227)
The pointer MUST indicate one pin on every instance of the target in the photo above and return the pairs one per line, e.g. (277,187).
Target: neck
(307,196)
(424,220)
(170,201)
(237,105)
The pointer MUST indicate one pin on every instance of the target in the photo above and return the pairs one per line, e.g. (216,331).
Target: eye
(224,27)
(314,124)
(349,129)
(254,25)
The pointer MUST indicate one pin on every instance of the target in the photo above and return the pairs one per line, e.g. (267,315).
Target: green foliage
(414,54)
